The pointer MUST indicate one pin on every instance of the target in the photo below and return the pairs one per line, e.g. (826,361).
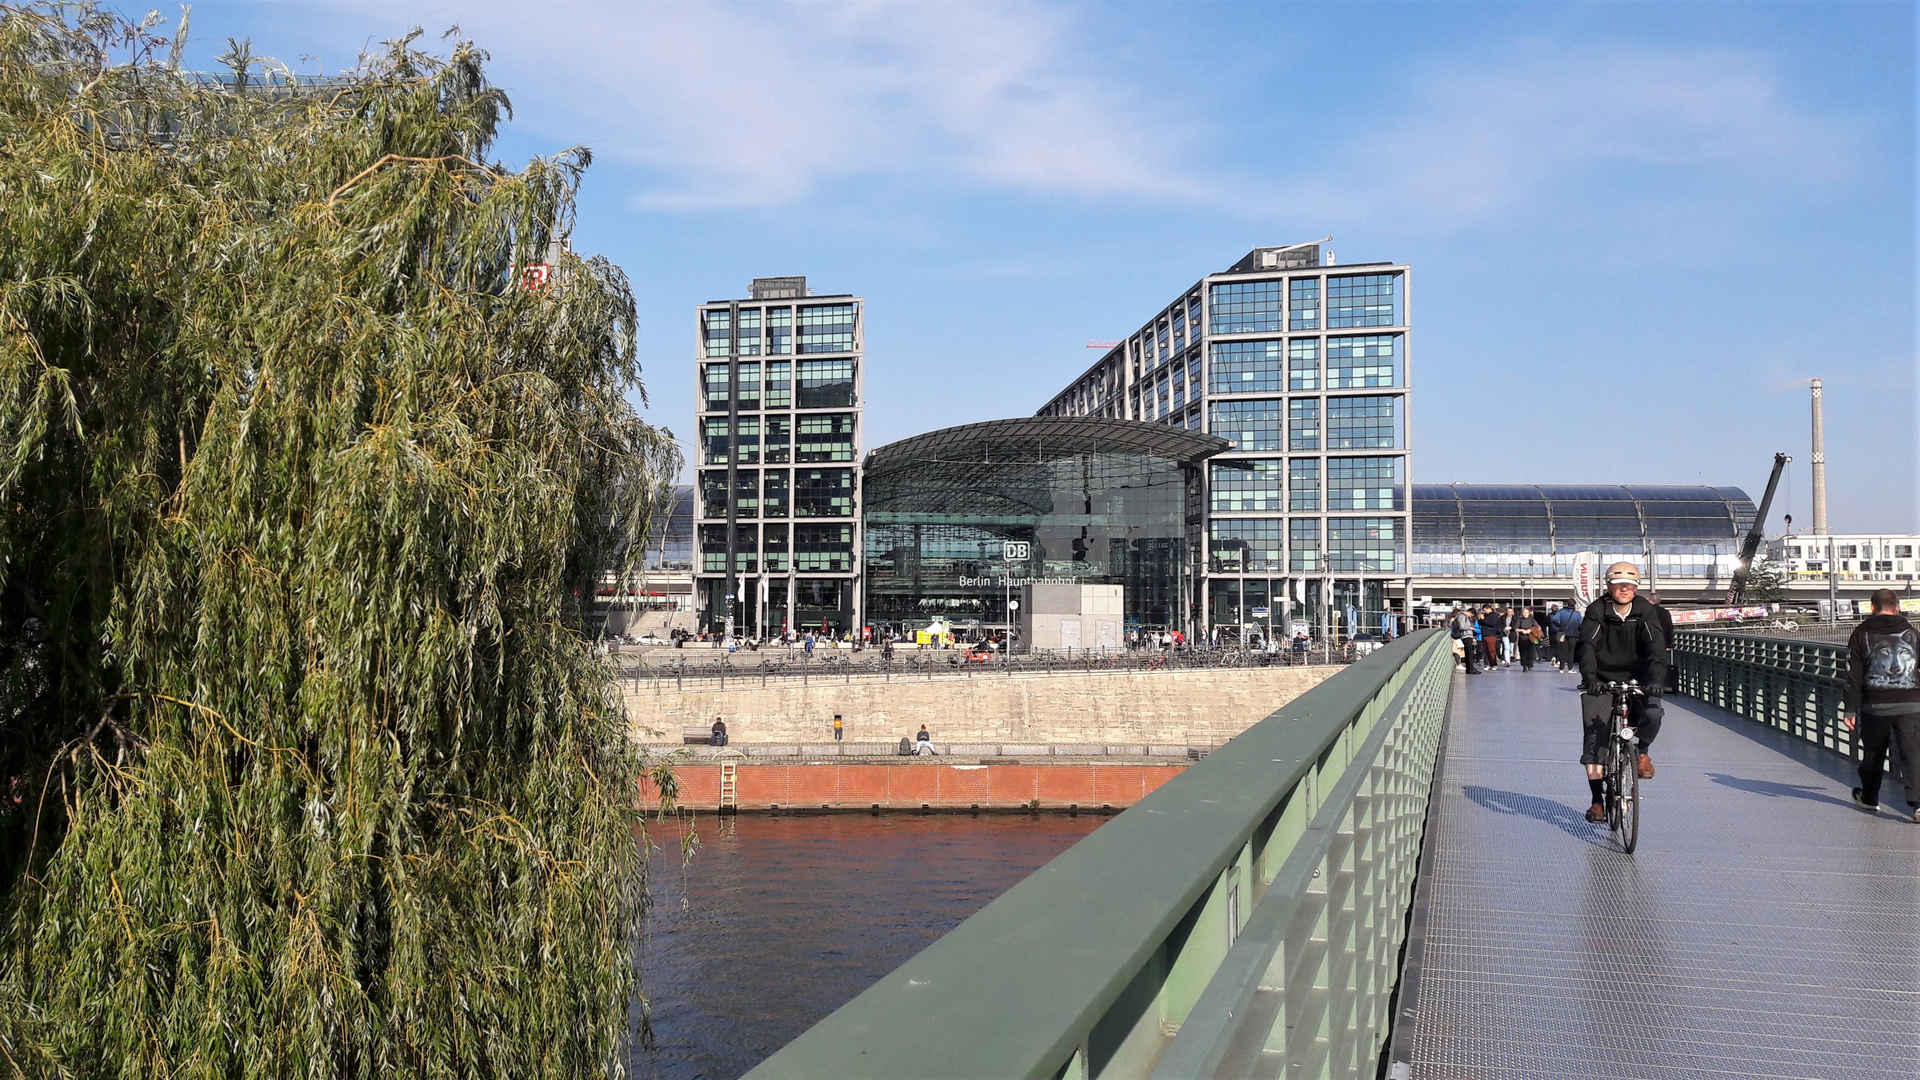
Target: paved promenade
(1764,928)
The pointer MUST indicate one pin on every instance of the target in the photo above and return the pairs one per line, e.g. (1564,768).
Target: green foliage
(309,767)
(1766,583)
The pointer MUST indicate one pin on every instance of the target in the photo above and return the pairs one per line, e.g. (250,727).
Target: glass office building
(780,392)
(957,520)
(1469,538)
(1304,368)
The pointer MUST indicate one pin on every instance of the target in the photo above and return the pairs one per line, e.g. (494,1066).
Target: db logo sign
(1017,550)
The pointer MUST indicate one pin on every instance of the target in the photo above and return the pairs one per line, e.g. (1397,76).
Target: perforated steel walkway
(1764,928)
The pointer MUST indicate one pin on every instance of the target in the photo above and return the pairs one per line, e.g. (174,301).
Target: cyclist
(1619,640)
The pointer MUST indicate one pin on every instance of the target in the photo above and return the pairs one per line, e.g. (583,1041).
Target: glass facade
(1094,502)
(762,411)
(1525,531)
(1306,375)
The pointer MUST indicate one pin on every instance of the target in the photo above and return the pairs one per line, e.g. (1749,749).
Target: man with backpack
(1883,698)
(1565,625)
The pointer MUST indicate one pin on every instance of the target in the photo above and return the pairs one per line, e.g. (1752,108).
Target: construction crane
(1755,534)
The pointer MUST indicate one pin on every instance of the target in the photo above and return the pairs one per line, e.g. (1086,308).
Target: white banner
(1586,578)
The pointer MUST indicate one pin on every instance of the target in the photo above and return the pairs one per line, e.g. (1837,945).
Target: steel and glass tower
(779,408)
(1304,367)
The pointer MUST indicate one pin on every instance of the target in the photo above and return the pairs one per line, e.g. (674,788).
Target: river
(781,919)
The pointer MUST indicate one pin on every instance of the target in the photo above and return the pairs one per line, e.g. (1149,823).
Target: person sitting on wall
(923,743)
(719,732)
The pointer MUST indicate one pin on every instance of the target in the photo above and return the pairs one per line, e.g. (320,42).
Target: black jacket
(1883,663)
(1613,649)
(1664,619)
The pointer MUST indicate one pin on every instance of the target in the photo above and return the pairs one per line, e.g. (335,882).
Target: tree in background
(309,767)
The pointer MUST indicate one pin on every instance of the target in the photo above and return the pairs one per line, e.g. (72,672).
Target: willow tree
(310,768)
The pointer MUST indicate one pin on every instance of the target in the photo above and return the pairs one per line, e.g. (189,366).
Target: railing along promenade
(1245,919)
(701,672)
(1787,683)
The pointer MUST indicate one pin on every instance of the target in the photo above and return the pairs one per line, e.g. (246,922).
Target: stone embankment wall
(918,785)
(1193,708)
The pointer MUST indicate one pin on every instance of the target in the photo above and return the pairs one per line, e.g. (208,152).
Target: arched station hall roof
(1569,517)
(1061,436)
(1028,466)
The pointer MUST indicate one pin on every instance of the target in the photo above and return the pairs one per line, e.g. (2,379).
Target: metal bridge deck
(1764,928)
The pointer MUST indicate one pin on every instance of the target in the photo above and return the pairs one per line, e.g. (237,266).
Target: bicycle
(1621,763)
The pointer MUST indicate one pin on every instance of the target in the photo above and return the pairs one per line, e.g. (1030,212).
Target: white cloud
(744,106)
(1482,134)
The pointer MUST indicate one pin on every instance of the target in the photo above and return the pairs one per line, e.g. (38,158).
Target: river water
(782,919)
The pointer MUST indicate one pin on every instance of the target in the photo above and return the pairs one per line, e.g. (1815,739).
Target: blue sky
(1635,229)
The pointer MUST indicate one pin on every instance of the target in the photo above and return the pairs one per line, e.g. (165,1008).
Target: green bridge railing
(1795,686)
(1244,919)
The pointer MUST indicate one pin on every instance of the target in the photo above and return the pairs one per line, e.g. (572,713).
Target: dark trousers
(1596,723)
(1527,651)
(1563,650)
(1878,734)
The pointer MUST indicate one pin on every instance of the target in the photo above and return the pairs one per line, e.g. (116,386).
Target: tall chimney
(1819,466)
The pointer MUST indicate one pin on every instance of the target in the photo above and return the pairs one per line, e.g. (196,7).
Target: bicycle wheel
(1611,784)
(1630,810)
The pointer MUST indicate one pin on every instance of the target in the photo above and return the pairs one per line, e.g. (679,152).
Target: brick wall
(1196,708)
(911,786)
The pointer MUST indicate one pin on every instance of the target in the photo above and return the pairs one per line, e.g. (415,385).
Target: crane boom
(1755,534)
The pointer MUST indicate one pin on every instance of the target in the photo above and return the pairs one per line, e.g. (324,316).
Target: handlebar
(1631,686)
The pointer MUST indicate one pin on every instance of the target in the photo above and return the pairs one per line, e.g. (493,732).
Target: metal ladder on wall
(729,786)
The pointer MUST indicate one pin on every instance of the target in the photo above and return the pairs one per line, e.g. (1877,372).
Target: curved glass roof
(987,443)
(1566,518)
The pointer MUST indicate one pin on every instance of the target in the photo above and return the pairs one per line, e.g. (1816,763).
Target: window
(1245,366)
(1303,304)
(1903,551)
(822,547)
(1303,424)
(1849,551)
(1364,483)
(1303,484)
(1246,307)
(1243,486)
(1357,545)
(747,385)
(1793,553)
(779,439)
(827,328)
(1304,542)
(716,380)
(713,434)
(826,384)
(773,548)
(1246,545)
(823,493)
(1249,425)
(1360,423)
(717,332)
(1303,364)
(750,332)
(779,331)
(773,498)
(1179,388)
(825,437)
(1360,300)
(1359,362)
(779,384)
(713,495)
(1884,565)
(713,548)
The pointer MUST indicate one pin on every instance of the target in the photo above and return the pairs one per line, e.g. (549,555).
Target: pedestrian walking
(1882,700)
(1493,626)
(1526,634)
(1566,623)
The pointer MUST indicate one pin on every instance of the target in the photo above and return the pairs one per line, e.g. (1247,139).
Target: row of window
(1352,363)
(821,384)
(814,548)
(1351,423)
(1853,551)
(1352,545)
(825,493)
(820,437)
(824,328)
(1260,307)
(1262,485)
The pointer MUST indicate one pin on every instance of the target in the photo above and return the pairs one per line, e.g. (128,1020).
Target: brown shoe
(1597,814)
(1646,767)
